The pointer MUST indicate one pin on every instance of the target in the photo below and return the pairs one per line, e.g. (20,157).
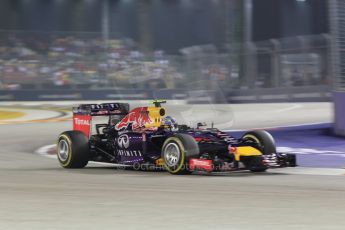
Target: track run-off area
(36,193)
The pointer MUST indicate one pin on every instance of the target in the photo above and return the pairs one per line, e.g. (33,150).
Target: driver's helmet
(171,122)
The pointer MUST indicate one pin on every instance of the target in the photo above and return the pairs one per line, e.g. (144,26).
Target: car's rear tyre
(176,152)
(73,149)
(263,139)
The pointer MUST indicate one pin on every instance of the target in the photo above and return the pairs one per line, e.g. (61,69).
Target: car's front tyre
(255,164)
(263,139)
(176,152)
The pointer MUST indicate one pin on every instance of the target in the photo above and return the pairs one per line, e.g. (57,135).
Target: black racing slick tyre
(263,139)
(176,152)
(255,164)
(73,149)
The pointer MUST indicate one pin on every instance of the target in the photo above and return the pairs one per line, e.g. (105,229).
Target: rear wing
(82,115)
(104,109)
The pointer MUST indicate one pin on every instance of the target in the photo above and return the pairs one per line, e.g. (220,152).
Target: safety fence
(295,94)
(37,66)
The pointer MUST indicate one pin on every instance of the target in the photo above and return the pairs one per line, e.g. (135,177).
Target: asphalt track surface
(35,193)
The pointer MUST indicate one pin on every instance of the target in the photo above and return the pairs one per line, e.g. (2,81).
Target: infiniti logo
(123,141)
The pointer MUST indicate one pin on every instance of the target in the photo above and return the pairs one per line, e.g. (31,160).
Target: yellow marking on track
(36,121)
(7,120)
(5,115)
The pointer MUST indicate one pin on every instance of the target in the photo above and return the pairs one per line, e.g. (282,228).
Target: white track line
(309,151)
(275,127)
(310,171)
(292,107)
(43,151)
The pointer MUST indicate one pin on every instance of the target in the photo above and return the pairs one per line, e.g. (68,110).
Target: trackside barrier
(339,110)
(286,94)
(296,94)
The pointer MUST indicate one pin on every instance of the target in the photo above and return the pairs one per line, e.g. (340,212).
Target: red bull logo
(136,119)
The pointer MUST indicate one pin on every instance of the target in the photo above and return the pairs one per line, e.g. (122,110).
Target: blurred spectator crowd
(86,61)
(56,62)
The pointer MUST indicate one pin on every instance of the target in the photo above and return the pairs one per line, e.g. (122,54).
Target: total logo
(79,121)
(123,141)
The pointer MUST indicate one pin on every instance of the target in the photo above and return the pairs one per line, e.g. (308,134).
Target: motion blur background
(203,51)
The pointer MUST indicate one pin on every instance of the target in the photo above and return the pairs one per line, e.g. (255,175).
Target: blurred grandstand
(45,61)
(85,61)
(222,51)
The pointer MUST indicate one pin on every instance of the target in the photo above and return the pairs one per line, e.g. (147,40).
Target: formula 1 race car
(146,136)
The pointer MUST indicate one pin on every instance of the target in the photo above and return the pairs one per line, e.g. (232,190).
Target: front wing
(275,160)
